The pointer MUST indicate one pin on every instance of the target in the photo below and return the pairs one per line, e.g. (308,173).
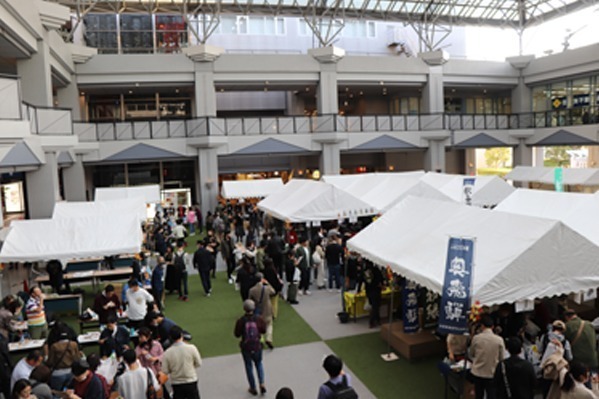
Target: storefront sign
(457,287)
(468,190)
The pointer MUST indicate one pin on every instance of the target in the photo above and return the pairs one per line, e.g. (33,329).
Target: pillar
(73,179)
(432,92)
(208,177)
(203,57)
(522,154)
(330,159)
(470,166)
(36,77)
(68,97)
(42,188)
(327,100)
(521,94)
(434,158)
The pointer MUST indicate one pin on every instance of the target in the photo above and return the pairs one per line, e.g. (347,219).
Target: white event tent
(570,176)
(310,201)
(516,257)
(150,193)
(345,181)
(71,238)
(237,189)
(579,211)
(108,208)
(487,191)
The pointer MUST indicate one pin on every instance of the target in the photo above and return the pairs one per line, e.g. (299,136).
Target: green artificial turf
(398,379)
(211,320)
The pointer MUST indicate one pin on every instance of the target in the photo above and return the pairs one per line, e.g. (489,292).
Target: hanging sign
(468,189)
(410,306)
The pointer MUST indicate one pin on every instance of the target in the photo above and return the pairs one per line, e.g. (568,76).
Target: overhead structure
(578,211)
(488,191)
(237,189)
(545,175)
(71,238)
(149,193)
(313,201)
(516,257)
(107,208)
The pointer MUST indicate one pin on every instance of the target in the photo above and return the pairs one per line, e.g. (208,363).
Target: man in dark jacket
(5,367)
(114,338)
(202,260)
(515,377)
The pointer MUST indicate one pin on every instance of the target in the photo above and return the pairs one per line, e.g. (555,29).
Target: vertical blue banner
(457,287)
(410,307)
(558,179)
(468,189)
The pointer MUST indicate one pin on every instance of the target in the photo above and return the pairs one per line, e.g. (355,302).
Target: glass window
(280,26)
(100,31)
(257,26)
(136,33)
(144,173)
(371,29)
(109,175)
(242,25)
(171,33)
(539,99)
(175,108)
(228,24)
(104,109)
(304,29)
(558,97)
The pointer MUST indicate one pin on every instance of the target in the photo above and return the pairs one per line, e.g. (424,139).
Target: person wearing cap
(106,304)
(251,347)
(180,362)
(581,335)
(260,293)
(515,378)
(85,384)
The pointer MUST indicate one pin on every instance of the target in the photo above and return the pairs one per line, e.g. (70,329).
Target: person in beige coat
(260,293)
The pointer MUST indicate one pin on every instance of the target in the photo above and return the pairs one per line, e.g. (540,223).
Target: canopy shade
(150,194)
(516,257)
(570,176)
(235,189)
(71,238)
(307,200)
(108,208)
(488,190)
(577,210)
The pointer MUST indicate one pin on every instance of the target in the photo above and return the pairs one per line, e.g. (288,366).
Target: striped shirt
(35,312)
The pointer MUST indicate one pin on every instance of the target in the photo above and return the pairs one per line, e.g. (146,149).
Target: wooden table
(95,276)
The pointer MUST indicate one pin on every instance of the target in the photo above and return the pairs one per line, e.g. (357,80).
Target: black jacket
(202,260)
(520,376)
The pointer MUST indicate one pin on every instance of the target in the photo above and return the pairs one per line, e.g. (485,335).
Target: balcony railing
(252,126)
(48,120)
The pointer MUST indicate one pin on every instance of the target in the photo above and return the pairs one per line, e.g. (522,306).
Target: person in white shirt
(137,300)
(25,366)
(179,231)
(133,383)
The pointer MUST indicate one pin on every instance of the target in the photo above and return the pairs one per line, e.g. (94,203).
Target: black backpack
(179,263)
(342,390)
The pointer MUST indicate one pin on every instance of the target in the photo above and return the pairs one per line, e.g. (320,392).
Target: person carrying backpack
(250,328)
(339,384)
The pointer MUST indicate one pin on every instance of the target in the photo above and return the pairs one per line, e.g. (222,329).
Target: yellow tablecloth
(354,302)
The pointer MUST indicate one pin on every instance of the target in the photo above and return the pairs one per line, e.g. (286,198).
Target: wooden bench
(413,346)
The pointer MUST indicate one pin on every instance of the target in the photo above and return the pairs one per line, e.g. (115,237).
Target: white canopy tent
(236,189)
(516,257)
(577,210)
(150,193)
(71,238)
(487,191)
(108,208)
(345,181)
(570,176)
(308,200)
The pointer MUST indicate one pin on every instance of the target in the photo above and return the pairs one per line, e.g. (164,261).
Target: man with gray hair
(249,328)
(260,293)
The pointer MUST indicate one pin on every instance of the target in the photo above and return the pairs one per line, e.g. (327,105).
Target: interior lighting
(177,91)
(361,93)
(381,83)
(307,89)
(82,93)
(130,91)
(391,167)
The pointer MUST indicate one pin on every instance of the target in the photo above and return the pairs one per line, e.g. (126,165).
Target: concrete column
(42,188)
(522,154)
(470,166)
(539,157)
(521,94)
(68,97)
(73,179)
(432,92)
(208,176)
(36,77)
(205,93)
(330,159)
(327,100)
(434,157)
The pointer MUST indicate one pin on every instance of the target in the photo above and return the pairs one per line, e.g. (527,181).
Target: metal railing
(252,126)
(49,120)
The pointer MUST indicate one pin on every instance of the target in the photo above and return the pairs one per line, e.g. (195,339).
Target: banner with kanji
(457,287)
(410,307)
(468,188)
(430,313)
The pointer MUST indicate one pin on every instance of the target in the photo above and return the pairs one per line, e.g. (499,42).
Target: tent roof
(342,181)
(577,210)
(571,176)
(108,208)
(309,200)
(150,193)
(71,238)
(250,188)
(488,190)
(516,257)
